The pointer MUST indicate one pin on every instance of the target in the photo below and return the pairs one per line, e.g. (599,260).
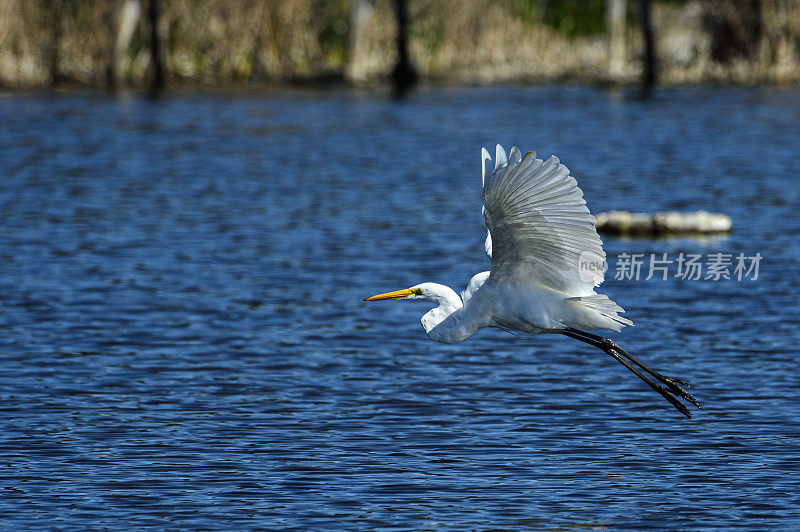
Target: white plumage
(545,254)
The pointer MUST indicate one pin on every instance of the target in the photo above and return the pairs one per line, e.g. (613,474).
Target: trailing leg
(666,386)
(672,383)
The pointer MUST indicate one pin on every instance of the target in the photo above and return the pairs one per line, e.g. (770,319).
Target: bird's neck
(446,322)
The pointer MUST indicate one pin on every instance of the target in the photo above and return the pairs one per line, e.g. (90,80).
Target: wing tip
(501,159)
(486,166)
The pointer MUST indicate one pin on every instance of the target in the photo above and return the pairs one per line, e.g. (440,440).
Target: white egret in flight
(546,261)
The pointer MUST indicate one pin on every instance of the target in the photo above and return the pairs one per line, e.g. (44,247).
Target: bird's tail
(606,307)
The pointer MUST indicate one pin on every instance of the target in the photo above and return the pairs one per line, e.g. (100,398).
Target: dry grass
(221,41)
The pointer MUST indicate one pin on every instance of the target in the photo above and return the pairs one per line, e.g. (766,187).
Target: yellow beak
(398,294)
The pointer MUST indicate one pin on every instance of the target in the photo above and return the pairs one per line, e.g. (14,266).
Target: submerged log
(624,223)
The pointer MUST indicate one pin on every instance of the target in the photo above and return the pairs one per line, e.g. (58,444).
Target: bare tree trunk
(360,12)
(53,13)
(153,13)
(127,15)
(404,75)
(649,69)
(615,22)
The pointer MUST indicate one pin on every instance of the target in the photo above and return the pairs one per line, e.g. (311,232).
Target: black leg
(669,389)
(671,382)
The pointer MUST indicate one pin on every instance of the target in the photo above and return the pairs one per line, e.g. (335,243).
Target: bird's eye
(418,291)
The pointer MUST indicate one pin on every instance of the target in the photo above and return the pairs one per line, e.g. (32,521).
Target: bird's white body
(538,231)
(531,309)
(540,237)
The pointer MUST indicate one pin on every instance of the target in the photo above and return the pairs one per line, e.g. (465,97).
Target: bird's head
(432,292)
(419,291)
(447,303)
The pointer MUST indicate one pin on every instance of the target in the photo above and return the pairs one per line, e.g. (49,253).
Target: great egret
(545,254)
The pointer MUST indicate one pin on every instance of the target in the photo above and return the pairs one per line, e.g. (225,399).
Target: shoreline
(95,43)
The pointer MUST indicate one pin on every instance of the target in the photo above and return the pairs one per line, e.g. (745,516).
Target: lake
(184,343)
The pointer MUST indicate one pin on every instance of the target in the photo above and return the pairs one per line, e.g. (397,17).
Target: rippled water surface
(184,343)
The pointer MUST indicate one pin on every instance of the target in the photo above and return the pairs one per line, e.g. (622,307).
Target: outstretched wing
(540,230)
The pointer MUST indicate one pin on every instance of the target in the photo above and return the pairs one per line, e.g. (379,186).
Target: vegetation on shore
(101,42)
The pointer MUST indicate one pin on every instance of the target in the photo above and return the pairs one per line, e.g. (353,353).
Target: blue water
(184,343)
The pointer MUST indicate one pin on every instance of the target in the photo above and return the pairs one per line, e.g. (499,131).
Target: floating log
(624,223)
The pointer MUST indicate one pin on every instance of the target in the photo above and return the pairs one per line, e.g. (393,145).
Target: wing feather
(538,223)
